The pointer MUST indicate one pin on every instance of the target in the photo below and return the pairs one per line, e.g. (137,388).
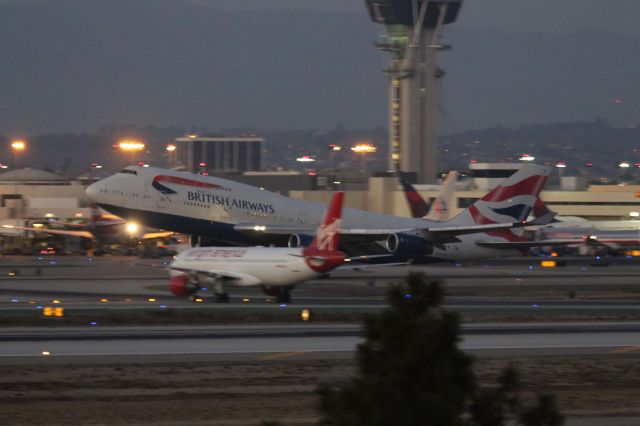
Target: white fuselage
(247,266)
(213,206)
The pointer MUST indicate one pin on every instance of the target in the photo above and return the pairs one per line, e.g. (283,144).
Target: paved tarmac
(295,341)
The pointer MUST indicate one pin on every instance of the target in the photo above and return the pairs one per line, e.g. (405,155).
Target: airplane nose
(92,191)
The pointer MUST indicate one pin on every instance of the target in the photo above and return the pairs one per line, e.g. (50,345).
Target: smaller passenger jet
(276,270)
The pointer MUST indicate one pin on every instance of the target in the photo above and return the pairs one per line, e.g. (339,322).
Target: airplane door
(219,213)
(161,200)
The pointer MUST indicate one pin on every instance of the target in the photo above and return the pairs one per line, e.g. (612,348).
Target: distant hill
(75,65)
(576,144)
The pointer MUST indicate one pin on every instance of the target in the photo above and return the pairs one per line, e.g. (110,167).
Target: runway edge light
(305,315)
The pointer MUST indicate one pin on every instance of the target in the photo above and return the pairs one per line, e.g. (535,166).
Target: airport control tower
(413,42)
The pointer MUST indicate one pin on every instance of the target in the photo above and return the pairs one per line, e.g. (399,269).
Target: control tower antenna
(413,35)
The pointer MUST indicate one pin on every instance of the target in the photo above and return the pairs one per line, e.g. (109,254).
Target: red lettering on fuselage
(215,253)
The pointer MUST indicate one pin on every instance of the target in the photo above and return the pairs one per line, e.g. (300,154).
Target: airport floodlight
(624,165)
(130,145)
(306,159)
(364,148)
(18,145)
(334,147)
(561,165)
(170,148)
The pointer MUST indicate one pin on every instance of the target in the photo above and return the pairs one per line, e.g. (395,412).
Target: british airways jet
(218,211)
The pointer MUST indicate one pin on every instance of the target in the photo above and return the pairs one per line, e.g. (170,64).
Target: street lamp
(17,147)
(171,152)
(333,148)
(624,174)
(364,149)
(561,165)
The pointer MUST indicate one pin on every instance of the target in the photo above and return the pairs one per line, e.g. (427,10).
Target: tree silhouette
(412,372)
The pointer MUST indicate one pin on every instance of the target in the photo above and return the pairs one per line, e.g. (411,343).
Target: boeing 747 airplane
(218,211)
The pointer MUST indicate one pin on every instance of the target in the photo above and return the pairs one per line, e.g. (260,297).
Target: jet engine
(299,240)
(182,286)
(406,244)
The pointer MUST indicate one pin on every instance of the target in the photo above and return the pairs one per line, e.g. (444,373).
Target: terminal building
(32,193)
(237,154)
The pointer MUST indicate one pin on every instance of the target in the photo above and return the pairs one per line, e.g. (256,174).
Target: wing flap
(81,234)
(528,244)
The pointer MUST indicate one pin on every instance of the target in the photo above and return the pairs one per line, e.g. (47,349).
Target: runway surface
(270,342)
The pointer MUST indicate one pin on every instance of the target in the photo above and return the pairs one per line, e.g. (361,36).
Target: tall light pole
(130,147)
(18,146)
(364,149)
(560,165)
(171,152)
(333,148)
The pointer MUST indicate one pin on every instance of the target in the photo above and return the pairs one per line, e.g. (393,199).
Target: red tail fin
(322,255)
(419,207)
(327,235)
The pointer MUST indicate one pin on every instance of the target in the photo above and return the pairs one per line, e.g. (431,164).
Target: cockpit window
(131,172)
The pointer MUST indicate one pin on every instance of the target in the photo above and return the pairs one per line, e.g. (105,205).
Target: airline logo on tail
(419,208)
(327,236)
(511,201)
(322,255)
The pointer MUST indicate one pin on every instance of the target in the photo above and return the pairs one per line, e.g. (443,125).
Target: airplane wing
(161,234)
(529,244)
(81,234)
(227,276)
(377,232)
(69,224)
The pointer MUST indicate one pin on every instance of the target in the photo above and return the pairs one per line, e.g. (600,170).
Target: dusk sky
(76,65)
(619,16)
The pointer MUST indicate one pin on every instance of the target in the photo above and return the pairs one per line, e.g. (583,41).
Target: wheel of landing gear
(284,296)
(195,241)
(222,297)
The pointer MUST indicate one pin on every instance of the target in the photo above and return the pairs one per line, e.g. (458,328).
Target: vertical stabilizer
(509,202)
(322,255)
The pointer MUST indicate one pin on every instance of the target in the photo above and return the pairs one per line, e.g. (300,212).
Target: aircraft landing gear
(222,298)
(281,293)
(284,295)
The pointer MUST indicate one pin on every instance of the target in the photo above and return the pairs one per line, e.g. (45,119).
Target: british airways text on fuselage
(228,202)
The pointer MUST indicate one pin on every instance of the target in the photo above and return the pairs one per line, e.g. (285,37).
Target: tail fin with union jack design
(511,201)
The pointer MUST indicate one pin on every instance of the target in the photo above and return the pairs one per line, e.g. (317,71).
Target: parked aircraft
(103,229)
(439,209)
(277,270)
(220,211)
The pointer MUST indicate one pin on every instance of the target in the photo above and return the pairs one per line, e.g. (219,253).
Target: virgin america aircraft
(276,269)
(217,211)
